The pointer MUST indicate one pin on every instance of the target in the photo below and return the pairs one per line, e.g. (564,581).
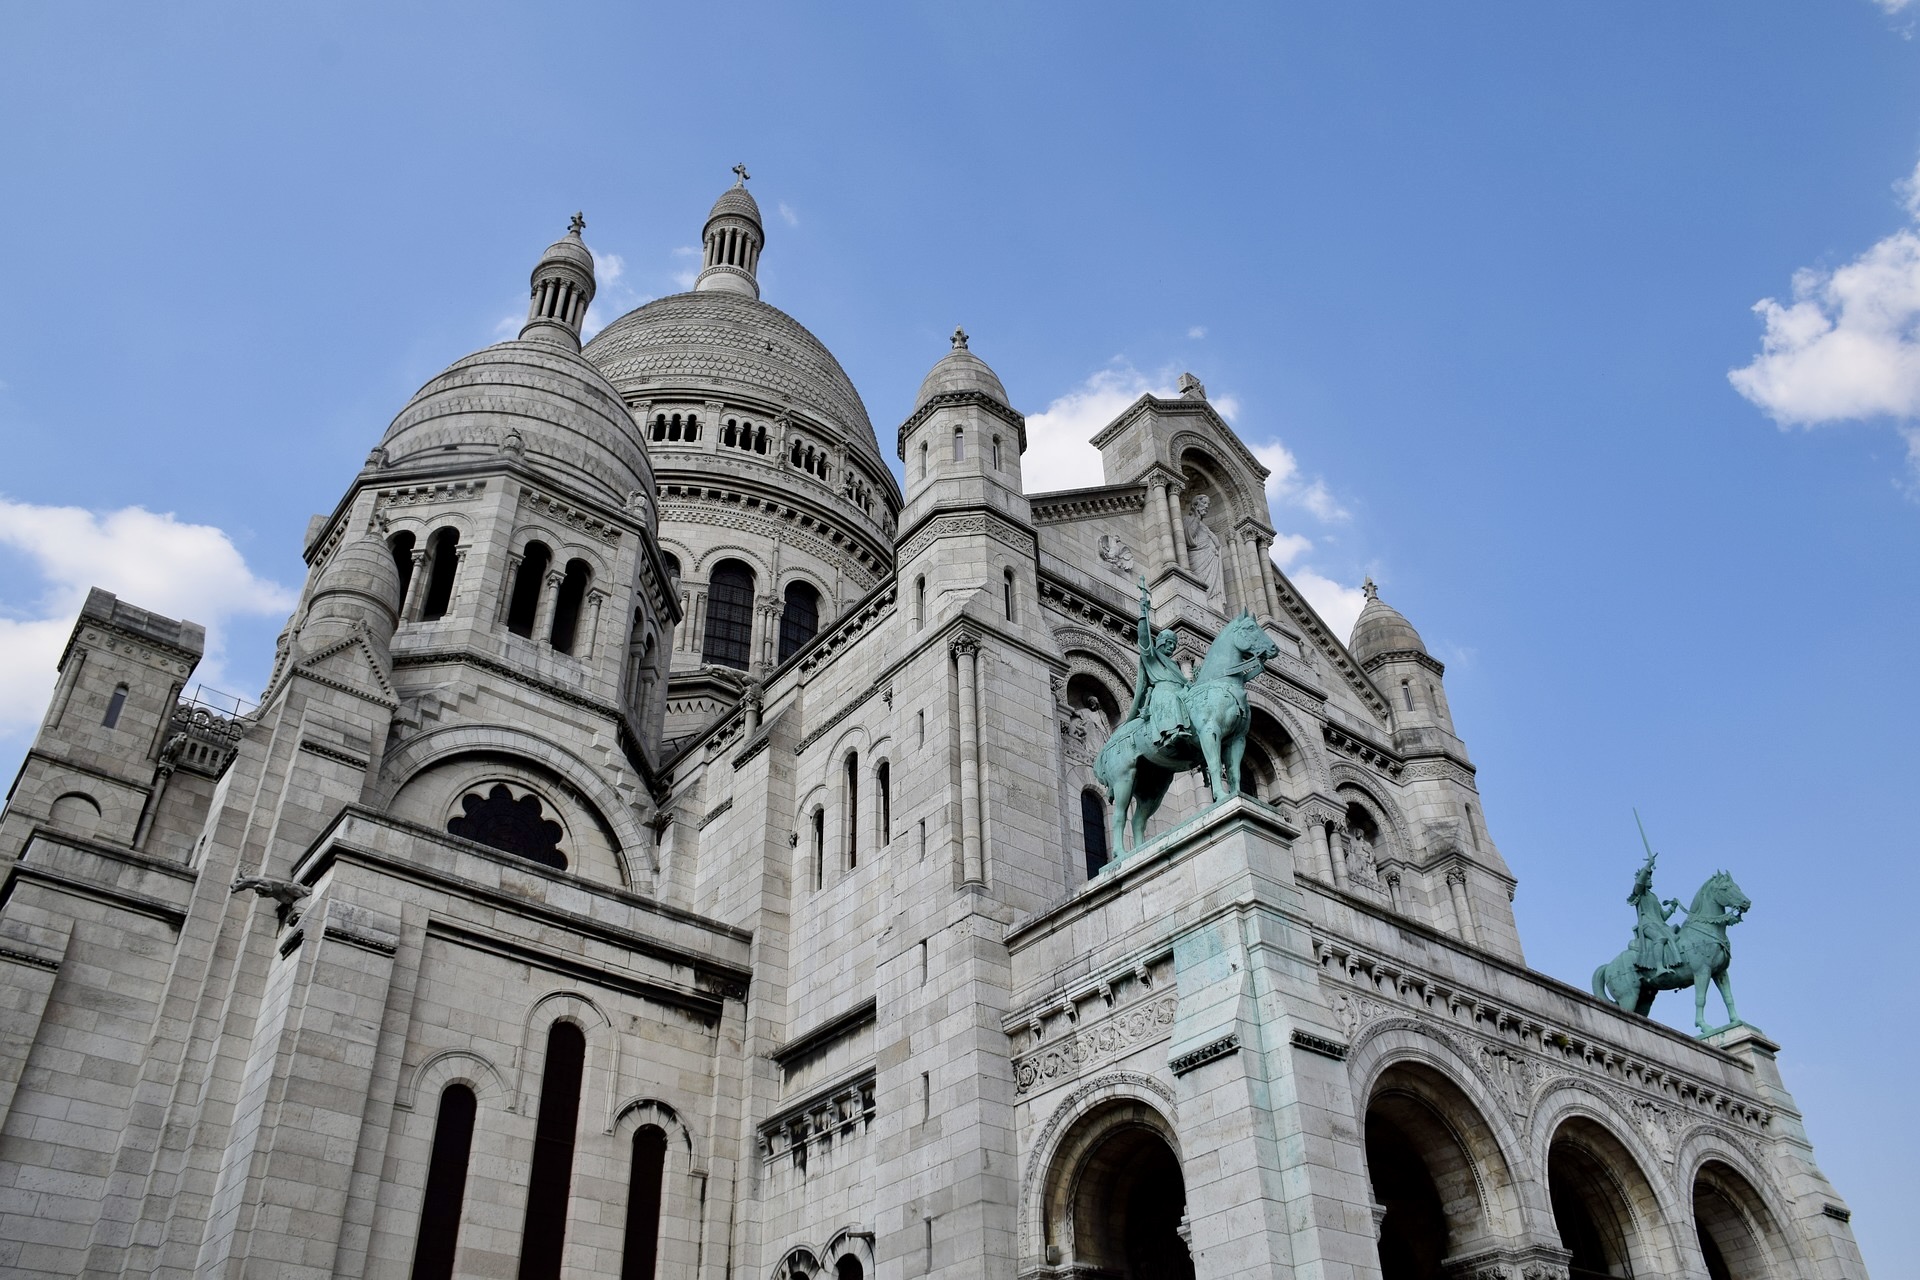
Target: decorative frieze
(1090,1046)
(551,508)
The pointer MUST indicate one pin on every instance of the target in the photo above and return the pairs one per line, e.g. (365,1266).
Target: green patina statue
(1177,724)
(1665,958)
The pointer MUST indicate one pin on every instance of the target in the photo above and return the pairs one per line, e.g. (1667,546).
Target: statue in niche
(1203,553)
(1098,727)
(1663,958)
(1360,862)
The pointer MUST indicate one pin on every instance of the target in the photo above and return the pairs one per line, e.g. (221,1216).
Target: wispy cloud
(1847,347)
(786,212)
(1197,332)
(154,560)
(1059,456)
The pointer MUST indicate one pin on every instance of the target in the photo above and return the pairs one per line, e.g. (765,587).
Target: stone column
(1250,572)
(549,594)
(966,653)
(459,580)
(416,587)
(1393,889)
(507,584)
(1321,850)
(1264,563)
(1157,495)
(1457,890)
(1177,526)
(1338,844)
(595,599)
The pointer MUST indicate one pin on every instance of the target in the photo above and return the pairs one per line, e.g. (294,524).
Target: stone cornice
(953,399)
(1415,656)
(1084,504)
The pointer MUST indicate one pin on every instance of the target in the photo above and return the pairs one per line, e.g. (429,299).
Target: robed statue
(1176,723)
(1662,957)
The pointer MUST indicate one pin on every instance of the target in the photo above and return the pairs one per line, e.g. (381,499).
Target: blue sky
(1473,276)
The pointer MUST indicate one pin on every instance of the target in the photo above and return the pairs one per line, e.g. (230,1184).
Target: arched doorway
(1431,1159)
(1129,1208)
(1602,1203)
(1737,1237)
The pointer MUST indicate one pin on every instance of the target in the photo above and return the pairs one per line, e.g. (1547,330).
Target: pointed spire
(732,240)
(563,285)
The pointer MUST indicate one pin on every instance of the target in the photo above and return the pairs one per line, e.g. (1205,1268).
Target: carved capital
(964,646)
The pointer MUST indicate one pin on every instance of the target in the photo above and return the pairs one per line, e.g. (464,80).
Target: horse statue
(1688,956)
(1177,724)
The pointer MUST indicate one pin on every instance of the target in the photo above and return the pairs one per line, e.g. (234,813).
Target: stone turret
(732,240)
(563,286)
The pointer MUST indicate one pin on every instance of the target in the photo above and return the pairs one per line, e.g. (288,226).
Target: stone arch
(612,809)
(75,811)
(1740,1210)
(849,1242)
(1140,1096)
(420,523)
(603,1049)
(708,558)
(1441,1150)
(456,1066)
(1275,759)
(1097,648)
(1318,775)
(1591,1152)
(798,1263)
(1189,449)
(1351,786)
(643,1109)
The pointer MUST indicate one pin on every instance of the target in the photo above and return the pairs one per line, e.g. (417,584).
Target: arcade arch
(1114,1201)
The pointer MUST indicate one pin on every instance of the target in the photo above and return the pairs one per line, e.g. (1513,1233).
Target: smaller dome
(569,248)
(960,370)
(736,200)
(359,587)
(1380,629)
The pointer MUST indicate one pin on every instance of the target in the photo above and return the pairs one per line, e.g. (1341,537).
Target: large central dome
(716,341)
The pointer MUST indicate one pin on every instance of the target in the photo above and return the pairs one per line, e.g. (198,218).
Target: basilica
(668,847)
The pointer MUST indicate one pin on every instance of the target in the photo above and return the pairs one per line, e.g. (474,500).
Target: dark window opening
(567,603)
(1093,830)
(446,1185)
(524,604)
(883,788)
(115,705)
(672,562)
(853,810)
(729,640)
(643,1204)
(544,1234)
(799,619)
(512,826)
(1406,694)
(402,544)
(848,1268)
(819,847)
(443,559)
(1006,587)
(959,445)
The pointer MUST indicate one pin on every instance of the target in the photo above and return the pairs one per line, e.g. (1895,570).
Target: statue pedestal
(1181,598)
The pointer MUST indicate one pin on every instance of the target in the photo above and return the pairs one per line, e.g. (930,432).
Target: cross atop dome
(959,338)
(1369,590)
(741,170)
(577,224)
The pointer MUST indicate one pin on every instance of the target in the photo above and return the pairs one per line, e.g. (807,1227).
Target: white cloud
(786,211)
(1338,605)
(1285,485)
(1893,6)
(1847,346)
(1198,331)
(189,571)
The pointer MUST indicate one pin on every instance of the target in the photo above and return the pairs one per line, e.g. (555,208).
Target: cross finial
(577,224)
(959,338)
(1368,590)
(741,169)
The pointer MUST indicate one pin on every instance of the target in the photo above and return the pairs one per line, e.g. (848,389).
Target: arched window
(446,1185)
(643,1203)
(919,602)
(959,445)
(443,557)
(819,847)
(848,1268)
(672,563)
(730,433)
(996,453)
(729,641)
(659,426)
(115,705)
(799,619)
(566,605)
(923,459)
(693,426)
(853,810)
(1093,835)
(524,604)
(402,545)
(1006,591)
(760,439)
(544,1234)
(883,793)
(1406,693)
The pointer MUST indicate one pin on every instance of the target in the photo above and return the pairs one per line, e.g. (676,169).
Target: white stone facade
(754,941)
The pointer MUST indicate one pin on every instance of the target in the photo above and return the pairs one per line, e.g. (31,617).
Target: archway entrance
(1736,1234)
(1431,1160)
(1130,1206)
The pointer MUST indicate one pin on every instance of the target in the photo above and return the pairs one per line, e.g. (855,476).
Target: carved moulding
(1517,1055)
(1102,1041)
(995,527)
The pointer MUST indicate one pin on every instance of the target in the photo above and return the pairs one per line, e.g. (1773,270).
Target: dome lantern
(562,287)
(732,240)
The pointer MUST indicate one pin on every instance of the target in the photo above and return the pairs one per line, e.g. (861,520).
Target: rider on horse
(1159,691)
(1653,935)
